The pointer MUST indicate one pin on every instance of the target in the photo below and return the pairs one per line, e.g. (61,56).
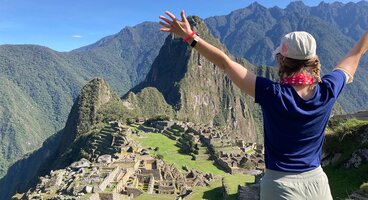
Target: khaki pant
(311,185)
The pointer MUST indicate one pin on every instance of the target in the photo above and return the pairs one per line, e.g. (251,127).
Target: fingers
(174,25)
(183,18)
(165,19)
(165,29)
(170,15)
(165,25)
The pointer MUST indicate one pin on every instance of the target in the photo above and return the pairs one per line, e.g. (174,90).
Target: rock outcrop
(196,89)
(84,111)
(23,174)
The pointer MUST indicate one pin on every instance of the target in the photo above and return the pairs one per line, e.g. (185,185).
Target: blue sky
(66,25)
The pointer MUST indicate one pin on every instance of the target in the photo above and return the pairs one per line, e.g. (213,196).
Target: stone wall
(123,181)
(134,191)
(154,172)
(113,196)
(109,178)
(94,197)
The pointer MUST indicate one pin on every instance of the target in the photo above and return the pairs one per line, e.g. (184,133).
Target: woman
(295,111)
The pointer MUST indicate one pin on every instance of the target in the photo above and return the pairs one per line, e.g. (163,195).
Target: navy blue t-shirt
(294,127)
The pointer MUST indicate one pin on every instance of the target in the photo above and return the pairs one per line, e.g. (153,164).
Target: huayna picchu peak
(161,121)
(94,154)
(215,102)
(196,89)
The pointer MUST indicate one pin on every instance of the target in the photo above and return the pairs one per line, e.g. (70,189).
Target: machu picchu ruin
(117,166)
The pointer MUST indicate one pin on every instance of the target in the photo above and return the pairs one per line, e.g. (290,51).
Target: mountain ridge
(55,151)
(229,106)
(335,30)
(63,74)
(52,80)
(198,90)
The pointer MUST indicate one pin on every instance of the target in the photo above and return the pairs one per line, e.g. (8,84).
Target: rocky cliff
(54,152)
(196,89)
(40,84)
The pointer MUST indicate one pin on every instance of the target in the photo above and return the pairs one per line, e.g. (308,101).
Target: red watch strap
(189,37)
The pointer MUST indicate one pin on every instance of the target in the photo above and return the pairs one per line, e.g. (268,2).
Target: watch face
(194,42)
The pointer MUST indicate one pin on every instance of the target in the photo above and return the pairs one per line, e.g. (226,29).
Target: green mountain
(148,102)
(222,105)
(254,33)
(40,85)
(57,151)
(197,90)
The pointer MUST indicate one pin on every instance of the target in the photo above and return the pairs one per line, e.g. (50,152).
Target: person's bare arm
(350,62)
(244,79)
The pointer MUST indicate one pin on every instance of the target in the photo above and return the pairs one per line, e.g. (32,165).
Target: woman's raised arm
(244,79)
(350,62)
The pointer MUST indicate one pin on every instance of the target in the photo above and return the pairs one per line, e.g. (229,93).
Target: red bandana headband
(298,79)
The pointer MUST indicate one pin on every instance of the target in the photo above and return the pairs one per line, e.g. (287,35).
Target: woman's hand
(243,78)
(178,27)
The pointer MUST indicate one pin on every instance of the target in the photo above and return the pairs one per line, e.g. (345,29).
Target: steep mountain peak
(93,95)
(299,7)
(135,46)
(83,115)
(127,33)
(296,4)
(171,65)
(255,5)
(198,90)
(362,3)
(325,6)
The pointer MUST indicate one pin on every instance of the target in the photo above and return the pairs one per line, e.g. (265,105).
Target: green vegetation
(345,181)
(341,127)
(19,115)
(110,187)
(147,103)
(232,181)
(113,110)
(345,137)
(364,187)
(93,95)
(155,196)
(215,191)
(39,85)
(254,33)
(171,153)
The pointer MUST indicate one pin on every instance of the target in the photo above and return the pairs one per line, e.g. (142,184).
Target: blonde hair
(289,66)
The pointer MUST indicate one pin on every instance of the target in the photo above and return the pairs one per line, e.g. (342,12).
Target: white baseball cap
(298,45)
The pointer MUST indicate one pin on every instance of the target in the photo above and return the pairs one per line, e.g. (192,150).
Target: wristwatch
(195,40)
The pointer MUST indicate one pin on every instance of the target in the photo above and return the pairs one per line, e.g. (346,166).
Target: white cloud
(77,36)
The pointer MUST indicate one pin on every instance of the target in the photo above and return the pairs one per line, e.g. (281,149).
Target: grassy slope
(171,154)
(155,196)
(345,137)
(50,81)
(214,191)
(19,114)
(345,181)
